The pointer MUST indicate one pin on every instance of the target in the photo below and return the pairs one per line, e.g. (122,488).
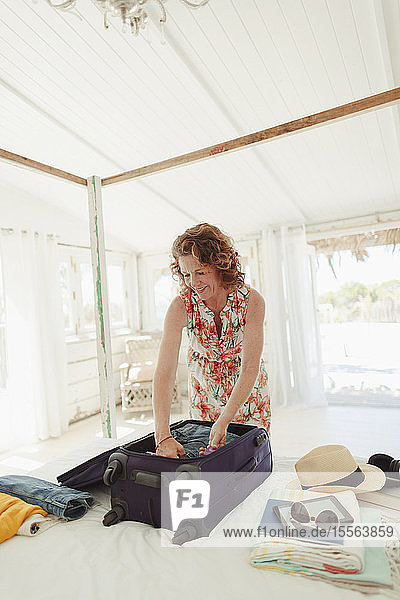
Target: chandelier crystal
(131,13)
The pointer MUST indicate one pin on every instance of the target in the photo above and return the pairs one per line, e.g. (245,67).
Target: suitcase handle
(249,466)
(260,439)
(146,478)
(187,468)
(241,476)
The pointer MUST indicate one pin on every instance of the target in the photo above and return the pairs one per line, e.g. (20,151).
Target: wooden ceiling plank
(229,97)
(52,76)
(365,20)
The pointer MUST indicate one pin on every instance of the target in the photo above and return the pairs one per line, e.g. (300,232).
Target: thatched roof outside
(357,243)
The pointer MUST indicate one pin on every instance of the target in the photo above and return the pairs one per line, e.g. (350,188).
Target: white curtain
(293,340)
(34,406)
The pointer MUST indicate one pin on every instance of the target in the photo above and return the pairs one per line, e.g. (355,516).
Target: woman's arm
(253,341)
(165,373)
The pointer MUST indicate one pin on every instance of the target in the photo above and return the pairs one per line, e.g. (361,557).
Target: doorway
(358,287)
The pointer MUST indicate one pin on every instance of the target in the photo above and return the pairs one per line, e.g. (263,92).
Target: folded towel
(13,512)
(374,576)
(58,500)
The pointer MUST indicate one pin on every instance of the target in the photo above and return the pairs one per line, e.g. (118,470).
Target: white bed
(85,560)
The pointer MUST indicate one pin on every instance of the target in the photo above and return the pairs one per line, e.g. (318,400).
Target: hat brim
(374,480)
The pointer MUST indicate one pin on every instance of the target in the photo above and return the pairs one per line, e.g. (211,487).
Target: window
(76,279)
(66,296)
(117,294)
(87,296)
(3,354)
(359,314)
(249,260)
(165,289)
(158,288)
(244,261)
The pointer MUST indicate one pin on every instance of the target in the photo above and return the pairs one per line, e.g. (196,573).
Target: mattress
(84,559)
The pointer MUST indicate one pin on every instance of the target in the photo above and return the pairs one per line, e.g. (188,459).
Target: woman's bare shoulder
(256,301)
(177,304)
(176,313)
(255,297)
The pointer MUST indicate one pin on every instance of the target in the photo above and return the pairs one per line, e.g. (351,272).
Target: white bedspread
(85,560)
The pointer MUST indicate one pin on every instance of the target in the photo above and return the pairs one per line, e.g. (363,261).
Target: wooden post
(102,316)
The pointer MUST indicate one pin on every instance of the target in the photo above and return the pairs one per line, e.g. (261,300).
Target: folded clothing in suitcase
(136,481)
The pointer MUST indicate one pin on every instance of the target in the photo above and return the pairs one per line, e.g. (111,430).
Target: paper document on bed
(388,496)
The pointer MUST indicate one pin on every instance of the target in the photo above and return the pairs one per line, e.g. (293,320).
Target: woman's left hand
(218,434)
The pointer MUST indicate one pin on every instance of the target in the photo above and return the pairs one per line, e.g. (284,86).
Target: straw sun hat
(333,469)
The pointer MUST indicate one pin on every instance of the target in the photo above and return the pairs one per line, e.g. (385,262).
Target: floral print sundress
(214,363)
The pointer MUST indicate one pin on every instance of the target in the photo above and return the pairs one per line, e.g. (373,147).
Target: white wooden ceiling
(91,101)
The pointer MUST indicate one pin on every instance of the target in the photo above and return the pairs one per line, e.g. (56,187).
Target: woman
(224,319)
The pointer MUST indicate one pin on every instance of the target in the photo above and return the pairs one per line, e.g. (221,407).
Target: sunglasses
(300,513)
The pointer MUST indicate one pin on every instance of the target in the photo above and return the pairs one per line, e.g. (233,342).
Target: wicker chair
(136,375)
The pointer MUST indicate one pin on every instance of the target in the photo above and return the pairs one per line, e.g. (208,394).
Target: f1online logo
(188,500)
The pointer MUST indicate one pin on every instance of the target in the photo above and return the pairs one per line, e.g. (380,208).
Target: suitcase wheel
(112,472)
(190,529)
(185,535)
(114,516)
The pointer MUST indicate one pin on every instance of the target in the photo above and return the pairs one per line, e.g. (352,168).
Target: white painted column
(101,307)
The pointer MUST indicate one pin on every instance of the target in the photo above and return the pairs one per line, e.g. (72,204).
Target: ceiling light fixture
(131,13)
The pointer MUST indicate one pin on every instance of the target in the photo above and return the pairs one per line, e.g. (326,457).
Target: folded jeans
(58,500)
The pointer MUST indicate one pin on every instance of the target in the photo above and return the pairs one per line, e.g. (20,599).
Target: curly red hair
(209,246)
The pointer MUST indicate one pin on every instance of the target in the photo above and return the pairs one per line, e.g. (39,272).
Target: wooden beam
(315,120)
(101,306)
(369,223)
(38,166)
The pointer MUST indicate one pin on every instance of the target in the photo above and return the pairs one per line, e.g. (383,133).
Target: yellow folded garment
(13,513)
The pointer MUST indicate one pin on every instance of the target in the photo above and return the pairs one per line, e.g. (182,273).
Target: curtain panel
(34,405)
(293,339)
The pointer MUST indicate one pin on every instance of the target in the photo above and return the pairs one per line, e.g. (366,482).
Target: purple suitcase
(87,473)
(135,478)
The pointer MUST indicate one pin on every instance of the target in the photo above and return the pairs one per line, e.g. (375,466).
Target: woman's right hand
(171,449)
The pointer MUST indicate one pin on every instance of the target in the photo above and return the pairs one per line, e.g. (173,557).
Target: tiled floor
(364,430)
